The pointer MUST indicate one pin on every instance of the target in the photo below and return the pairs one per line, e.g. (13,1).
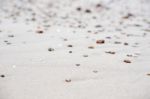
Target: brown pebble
(110,52)
(68,80)
(148,74)
(100,41)
(40,31)
(127,61)
(91,47)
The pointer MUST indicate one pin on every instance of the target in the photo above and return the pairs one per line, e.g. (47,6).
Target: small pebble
(98,5)
(85,55)
(110,52)
(127,61)
(70,45)
(126,43)
(68,80)
(79,9)
(88,11)
(10,35)
(129,55)
(116,42)
(100,41)
(95,71)
(148,74)
(70,51)
(77,64)
(50,49)
(128,16)
(40,31)
(91,47)
(2,76)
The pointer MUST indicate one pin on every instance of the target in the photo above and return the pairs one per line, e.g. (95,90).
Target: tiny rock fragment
(117,42)
(70,51)
(11,35)
(65,39)
(88,11)
(126,43)
(70,45)
(8,43)
(91,47)
(40,31)
(100,41)
(98,5)
(95,71)
(128,16)
(129,55)
(50,49)
(127,61)
(148,74)
(77,64)
(2,76)
(78,8)
(98,26)
(85,55)
(110,52)
(68,80)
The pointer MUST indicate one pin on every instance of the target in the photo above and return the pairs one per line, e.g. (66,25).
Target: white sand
(33,72)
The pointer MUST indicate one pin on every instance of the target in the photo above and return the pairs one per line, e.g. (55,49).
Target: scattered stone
(65,39)
(77,64)
(128,16)
(91,47)
(70,51)
(148,74)
(100,41)
(126,43)
(70,45)
(95,71)
(108,37)
(98,26)
(79,9)
(8,43)
(116,42)
(98,5)
(11,35)
(5,41)
(50,49)
(2,76)
(68,80)
(127,61)
(88,11)
(40,31)
(110,52)
(85,55)
(129,55)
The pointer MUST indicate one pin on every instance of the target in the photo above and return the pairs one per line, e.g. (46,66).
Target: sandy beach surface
(74,49)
